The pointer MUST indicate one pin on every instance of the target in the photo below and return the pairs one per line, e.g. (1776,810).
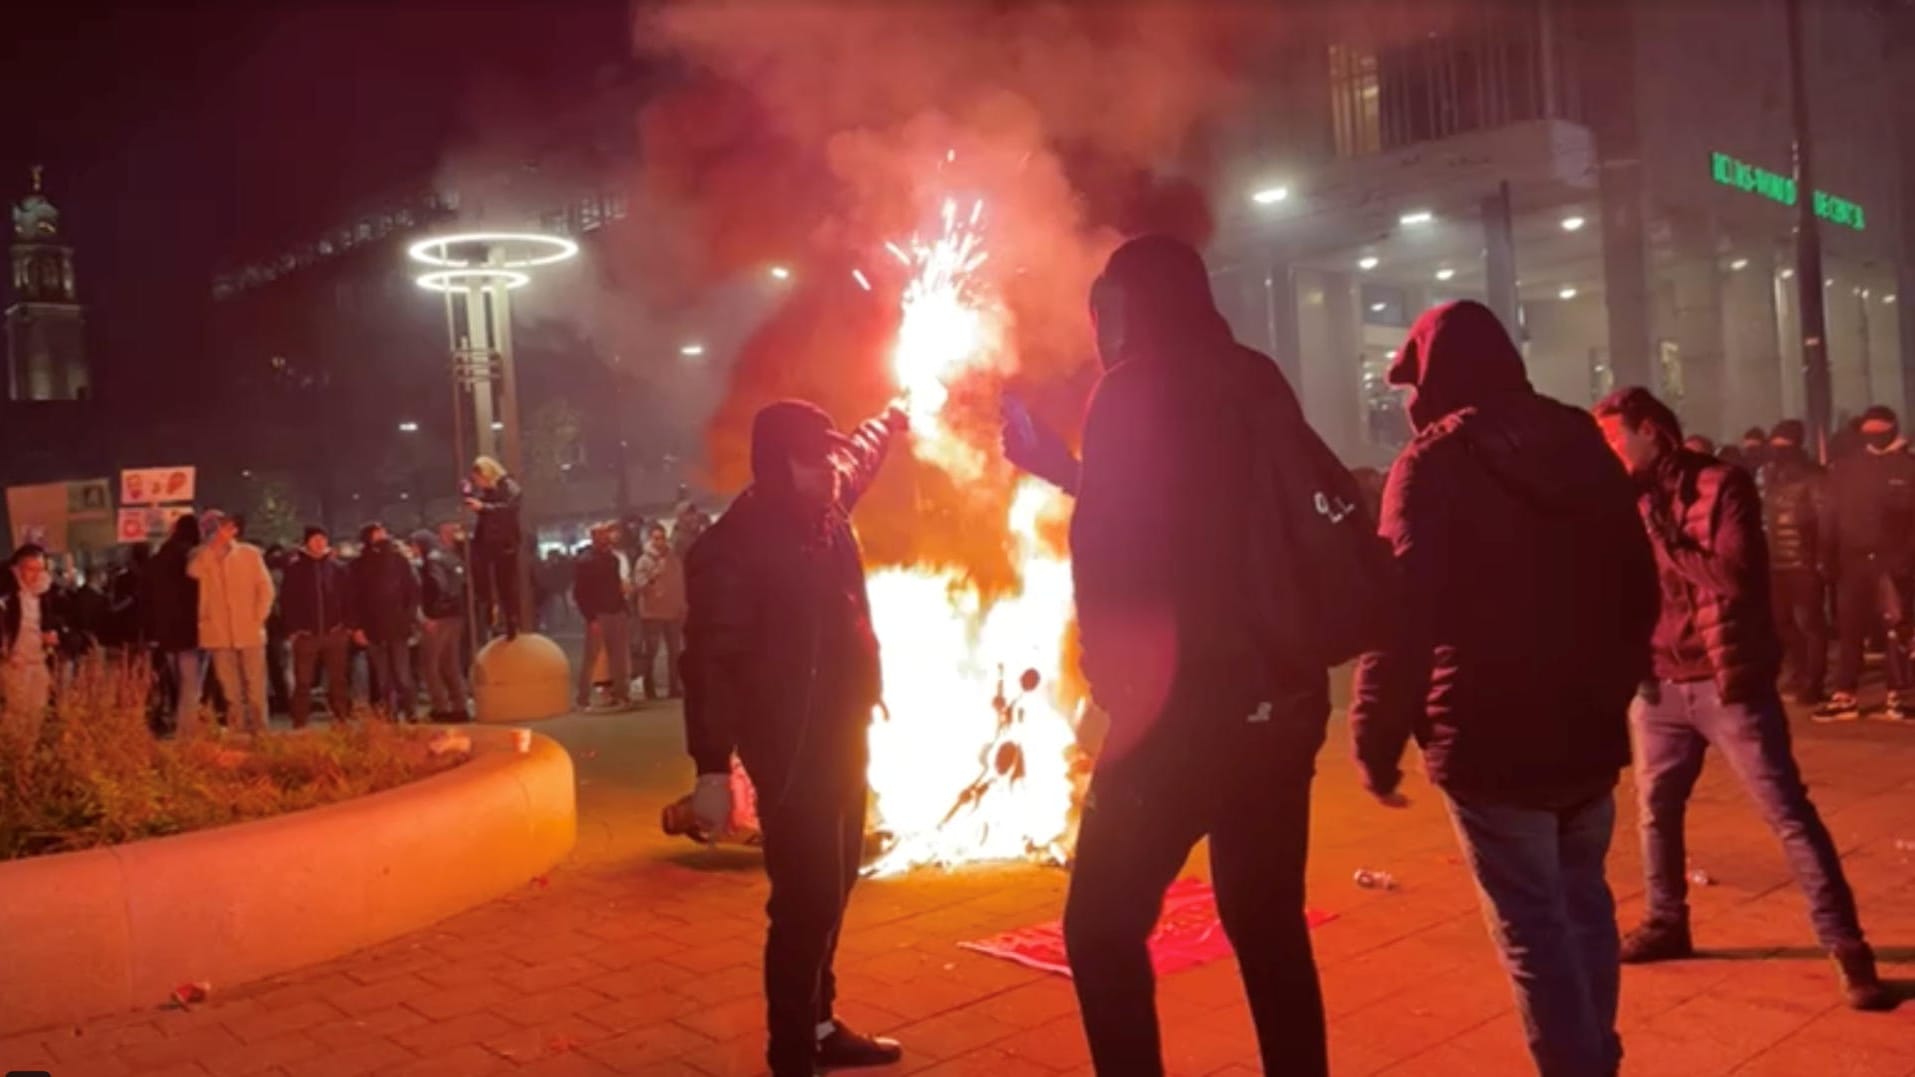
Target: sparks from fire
(973,762)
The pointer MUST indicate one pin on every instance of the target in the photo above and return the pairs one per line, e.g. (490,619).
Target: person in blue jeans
(1529,593)
(1716,661)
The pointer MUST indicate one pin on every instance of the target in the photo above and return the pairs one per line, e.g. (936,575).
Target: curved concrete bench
(112,929)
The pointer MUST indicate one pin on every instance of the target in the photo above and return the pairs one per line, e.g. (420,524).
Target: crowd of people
(377,617)
(1542,597)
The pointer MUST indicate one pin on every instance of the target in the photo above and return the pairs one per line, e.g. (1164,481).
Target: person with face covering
(1794,500)
(29,631)
(1212,734)
(781,666)
(1715,659)
(1870,538)
(1530,594)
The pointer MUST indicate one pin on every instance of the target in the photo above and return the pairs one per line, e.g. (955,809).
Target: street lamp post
(475,272)
(1808,250)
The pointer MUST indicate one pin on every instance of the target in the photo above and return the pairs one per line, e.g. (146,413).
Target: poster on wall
(61,516)
(156,485)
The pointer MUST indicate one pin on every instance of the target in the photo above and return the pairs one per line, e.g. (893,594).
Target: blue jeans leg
(1539,873)
(1668,759)
(1754,738)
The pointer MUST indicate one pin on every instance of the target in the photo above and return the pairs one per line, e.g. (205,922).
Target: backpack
(1320,581)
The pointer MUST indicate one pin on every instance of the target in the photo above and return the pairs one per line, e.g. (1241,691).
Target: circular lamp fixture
(452,280)
(520,250)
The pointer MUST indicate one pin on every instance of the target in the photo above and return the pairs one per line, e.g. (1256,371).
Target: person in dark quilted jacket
(1716,658)
(1794,501)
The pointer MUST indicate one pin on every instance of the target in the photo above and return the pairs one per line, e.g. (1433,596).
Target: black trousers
(813,831)
(1246,786)
(1869,595)
(495,577)
(1801,619)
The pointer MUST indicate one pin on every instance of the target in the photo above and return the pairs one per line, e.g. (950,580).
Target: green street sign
(1733,172)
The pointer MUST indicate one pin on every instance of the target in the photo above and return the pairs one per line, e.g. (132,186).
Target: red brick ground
(640,956)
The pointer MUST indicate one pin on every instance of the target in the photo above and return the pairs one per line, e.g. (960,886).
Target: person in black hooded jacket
(781,666)
(385,610)
(1869,540)
(1210,736)
(170,600)
(1529,598)
(1794,502)
(1716,658)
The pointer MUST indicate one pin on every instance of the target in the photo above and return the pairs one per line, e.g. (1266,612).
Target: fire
(973,759)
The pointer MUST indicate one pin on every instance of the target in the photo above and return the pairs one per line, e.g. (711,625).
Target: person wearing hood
(781,666)
(1212,736)
(1716,659)
(385,608)
(1870,539)
(235,599)
(1794,501)
(442,599)
(1530,594)
(315,603)
(29,632)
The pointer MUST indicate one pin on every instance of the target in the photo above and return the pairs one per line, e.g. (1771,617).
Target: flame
(967,764)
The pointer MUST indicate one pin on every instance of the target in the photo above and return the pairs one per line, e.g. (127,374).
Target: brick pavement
(640,955)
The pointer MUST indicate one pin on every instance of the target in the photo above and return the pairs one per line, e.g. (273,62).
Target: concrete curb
(118,928)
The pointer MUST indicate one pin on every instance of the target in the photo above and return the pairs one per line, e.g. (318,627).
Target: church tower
(46,338)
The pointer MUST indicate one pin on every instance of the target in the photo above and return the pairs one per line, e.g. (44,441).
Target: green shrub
(94,774)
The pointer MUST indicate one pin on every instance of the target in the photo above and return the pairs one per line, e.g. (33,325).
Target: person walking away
(126,609)
(496,539)
(782,667)
(1529,598)
(442,636)
(29,634)
(660,581)
(598,586)
(385,608)
(170,597)
(1716,660)
(315,603)
(1794,501)
(1871,540)
(1214,725)
(235,598)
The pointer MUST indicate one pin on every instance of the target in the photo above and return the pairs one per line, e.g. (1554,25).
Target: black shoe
(845,1049)
(1860,984)
(1657,942)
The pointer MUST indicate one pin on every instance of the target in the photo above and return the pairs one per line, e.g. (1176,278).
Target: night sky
(181,138)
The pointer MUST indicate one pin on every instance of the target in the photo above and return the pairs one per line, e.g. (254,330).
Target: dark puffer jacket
(1793,504)
(499,528)
(781,662)
(1530,590)
(1705,521)
(1872,508)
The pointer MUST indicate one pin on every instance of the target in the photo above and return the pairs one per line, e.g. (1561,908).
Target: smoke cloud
(808,134)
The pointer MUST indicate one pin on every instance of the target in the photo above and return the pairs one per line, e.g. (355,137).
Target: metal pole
(1808,249)
(461,463)
(479,361)
(514,443)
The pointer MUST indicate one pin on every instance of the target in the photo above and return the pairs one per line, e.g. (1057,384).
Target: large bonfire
(973,758)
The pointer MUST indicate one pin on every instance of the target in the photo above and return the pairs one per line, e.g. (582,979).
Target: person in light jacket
(235,598)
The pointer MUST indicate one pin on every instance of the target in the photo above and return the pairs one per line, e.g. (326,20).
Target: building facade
(1612,179)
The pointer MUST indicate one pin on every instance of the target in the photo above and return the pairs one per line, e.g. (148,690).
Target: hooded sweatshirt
(1161,530)
(1530,588)
(781,662)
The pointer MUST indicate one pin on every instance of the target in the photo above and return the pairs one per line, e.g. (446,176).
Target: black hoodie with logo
(1530,587)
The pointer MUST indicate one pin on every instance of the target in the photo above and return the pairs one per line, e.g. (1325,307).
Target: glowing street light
(1739,265)
(1367,262)
(780,273)
(1445,273)
(692,351)
(408,427)
(1566,293)
(1416,217)
(1573,224)
(1270,196)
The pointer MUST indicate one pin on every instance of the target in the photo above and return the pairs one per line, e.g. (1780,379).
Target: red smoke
(807,134)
